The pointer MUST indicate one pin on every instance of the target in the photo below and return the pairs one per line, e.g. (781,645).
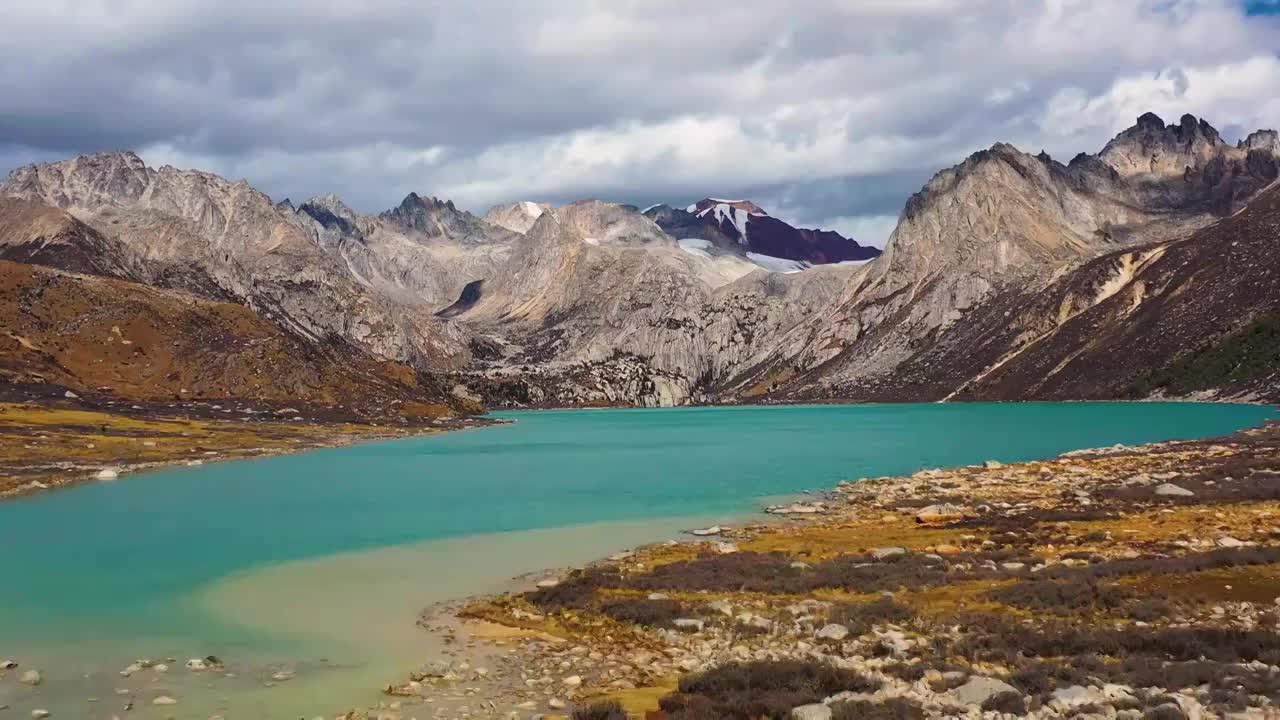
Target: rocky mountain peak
(331,212)
(708,205)
(1268,140)
(84,180)
(1153,148)
(517,216)
(432,217)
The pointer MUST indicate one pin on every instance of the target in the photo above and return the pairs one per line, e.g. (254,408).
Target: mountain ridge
(596,302)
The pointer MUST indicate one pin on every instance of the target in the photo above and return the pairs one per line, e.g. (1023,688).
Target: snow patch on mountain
(778,265)
(695,246)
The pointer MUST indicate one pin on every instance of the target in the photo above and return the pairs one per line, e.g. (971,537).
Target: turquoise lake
(222,558)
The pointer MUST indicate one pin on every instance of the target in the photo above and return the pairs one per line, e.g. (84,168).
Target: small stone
(197,665)
(31,677)
(161,668)
(40,714)
(70,395)
(556,704)
(659,596)
(688,624)
(164,700)
(1229,542)
(1171,490)
(572,681)
(548,583)
(725,548)
(992,465)
(707,532)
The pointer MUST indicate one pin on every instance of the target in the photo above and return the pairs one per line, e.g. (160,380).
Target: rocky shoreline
(49,445)
(1122,582)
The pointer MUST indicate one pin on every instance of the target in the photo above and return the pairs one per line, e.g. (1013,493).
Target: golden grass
(57,446)
(642,700)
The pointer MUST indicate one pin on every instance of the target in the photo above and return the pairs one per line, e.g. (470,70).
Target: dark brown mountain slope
(110,338)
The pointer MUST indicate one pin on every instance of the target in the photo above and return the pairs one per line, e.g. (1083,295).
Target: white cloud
(866,229)
(488,101)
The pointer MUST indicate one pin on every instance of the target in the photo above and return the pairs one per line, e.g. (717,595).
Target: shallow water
(329,554)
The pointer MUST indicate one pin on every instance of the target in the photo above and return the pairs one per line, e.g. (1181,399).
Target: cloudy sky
(828,113)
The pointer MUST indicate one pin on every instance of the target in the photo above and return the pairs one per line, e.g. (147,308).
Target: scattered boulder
(8,664)
(1230,542)
(722,607)
(1171,490)
(1064,699)
(816,711)
(833,632)
(979,689)
(197,665)
(572,681)
(31,677)
(548,583)
(796,509)
(40,714)
(887,552)
(992,465)
(725,548)
(688,624)
(106,475)
(707,532)
(941,512)
(164,700)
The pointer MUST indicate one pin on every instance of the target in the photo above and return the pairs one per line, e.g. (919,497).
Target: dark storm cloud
(835,112)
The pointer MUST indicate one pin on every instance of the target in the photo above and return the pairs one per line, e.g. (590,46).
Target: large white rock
(887,552)
(688,624)
(816,711)
(979,689)
(106,475)
(834,632)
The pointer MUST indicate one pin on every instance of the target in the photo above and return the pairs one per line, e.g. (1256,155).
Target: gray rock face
(197,232)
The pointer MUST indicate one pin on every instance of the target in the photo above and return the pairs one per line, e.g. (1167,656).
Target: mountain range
(1142,270)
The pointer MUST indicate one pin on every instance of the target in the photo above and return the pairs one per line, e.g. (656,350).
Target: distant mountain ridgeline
(1008,276)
